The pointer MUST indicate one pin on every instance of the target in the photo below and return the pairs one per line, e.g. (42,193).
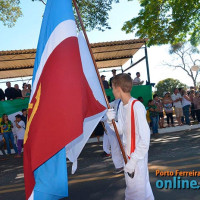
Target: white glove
(110,115)
(130,166)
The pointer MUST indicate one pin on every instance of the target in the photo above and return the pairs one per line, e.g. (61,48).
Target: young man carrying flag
(64,121)
(133,125)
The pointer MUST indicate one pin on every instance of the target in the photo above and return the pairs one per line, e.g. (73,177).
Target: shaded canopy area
(19,63)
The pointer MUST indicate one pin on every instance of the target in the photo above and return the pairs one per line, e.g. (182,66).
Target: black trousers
(170,116)
(198,114)
(193,112)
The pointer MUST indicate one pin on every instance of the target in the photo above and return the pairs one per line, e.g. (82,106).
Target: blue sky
(24,35)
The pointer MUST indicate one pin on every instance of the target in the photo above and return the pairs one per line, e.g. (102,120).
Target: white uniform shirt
(137,80)
(20,131)
(141,127)
(177,104)
(185,102)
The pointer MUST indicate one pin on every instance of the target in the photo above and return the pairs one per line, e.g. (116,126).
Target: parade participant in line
(20,131)
(106,145)
(133,125)
(112,138)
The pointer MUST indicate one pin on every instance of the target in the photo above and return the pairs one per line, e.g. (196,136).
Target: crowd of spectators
(136,80)
(11,93)
(13,133)
(184,104)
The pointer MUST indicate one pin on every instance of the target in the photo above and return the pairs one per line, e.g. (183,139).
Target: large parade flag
(65,106)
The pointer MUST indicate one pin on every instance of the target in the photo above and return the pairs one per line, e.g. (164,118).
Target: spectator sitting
(2,95)
(26,92)
(24,116)
(141,99)
(168,108)
(137,80)
(20,131)
(9,91)
(154,116)
(186,103)
(6,127)
(114,74)
(196,101)
(105,83)
(177,98)
(17,92)
(159,104)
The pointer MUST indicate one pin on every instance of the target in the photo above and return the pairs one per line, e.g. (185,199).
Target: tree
(167,21)
(168,85)
(185,55)
(10,11)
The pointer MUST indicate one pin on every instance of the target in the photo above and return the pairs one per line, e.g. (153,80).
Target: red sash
(132,128)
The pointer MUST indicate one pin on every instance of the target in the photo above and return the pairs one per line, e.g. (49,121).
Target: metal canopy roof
(19,63)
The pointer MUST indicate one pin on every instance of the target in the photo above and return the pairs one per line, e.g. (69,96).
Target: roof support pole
(147,64)
(122,69)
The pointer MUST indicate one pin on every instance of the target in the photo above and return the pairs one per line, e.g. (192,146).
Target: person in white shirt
(20,131)
(113,142)
(132,124)
(186,103)
(137,80)
(177,103)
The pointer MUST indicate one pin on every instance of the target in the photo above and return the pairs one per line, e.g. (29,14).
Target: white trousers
(138,187)
(106,143)
(115,150)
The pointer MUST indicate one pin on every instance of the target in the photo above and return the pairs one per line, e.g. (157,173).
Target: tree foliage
(10,11)
(94,13)
(168,85)
(185,57)
(167,21)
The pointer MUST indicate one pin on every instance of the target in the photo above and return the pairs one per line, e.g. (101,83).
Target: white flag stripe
(32,196)
(89,70)
(75,147)
(63,31)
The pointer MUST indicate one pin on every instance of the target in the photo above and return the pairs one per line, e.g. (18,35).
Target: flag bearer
(133,125)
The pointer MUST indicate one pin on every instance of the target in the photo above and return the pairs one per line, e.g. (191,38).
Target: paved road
(95,180)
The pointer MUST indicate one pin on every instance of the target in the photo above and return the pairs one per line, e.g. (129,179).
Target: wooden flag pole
(104,93)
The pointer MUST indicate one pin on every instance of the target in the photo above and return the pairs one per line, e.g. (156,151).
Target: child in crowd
(20,131)
(168,107)
(158,102)
(132,124)
(154,116)
(6,128)
(141,99)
